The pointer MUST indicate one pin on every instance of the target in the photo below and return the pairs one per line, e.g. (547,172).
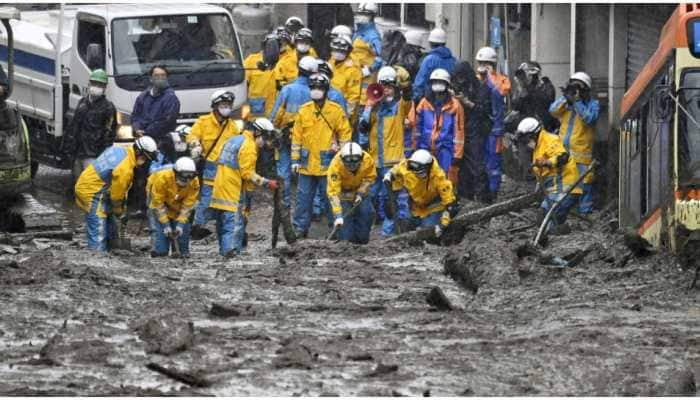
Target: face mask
(317,94)
(224,111)
(96,91)
(482,71)
(438,87)
(338,55)
(361,19)
(303,48)
(159,83)
(181,147)
(388,99)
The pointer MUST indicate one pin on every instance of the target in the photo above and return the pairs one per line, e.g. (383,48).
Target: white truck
(198,44)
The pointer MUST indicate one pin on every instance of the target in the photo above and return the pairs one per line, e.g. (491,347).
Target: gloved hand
(366,72)
(272,184)
(167,230)
(195,148)
(295,168)
(178,231)
(358,199)
(334,147)
(543,162)
(403,78)
(338,222)
(570,98)
(387,178)
(439,230)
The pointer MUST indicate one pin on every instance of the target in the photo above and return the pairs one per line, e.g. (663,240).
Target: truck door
(89,50)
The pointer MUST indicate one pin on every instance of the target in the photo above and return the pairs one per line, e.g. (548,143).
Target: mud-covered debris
(360,357)
(7,249)
(489,262)
(383,369)
(191,379)
(293,355)
(167,335)
(224,311)
(456,267)
(637,244)
(681,383)
(437,299)
(58,350)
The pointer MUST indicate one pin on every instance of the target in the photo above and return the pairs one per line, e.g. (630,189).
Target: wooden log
(470,217)
(184,377)
(53,234)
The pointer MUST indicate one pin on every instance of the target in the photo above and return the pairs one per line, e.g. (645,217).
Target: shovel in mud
(281,217)
(334,232)
(120,240)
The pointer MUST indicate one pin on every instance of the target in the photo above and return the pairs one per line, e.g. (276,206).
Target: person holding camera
(578,113)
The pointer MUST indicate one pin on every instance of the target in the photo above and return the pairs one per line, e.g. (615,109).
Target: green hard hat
(99,75)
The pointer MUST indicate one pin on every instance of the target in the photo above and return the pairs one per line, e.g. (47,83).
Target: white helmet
(263,124)
(440,75)
(437,35)
(147,147)
(529,126)
(183,129)
(185,164)
(351,155)
(420,162)
(414,38)
(221,95)
(340,30)
(185,170)
(308,64)
(293,24)
(583,77)
(386,74)
(367,8)
(487,54)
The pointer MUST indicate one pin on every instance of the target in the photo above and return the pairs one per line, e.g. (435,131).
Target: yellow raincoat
(287,68)
(206,130)
(557,178)
(262,89)
(344,185)
(313,134)
(235,171)
(347,78)
(429,195)
(169,201)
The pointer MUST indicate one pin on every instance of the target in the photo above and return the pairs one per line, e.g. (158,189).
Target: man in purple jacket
(155,115)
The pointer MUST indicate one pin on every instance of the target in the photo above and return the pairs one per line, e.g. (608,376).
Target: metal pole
(58,83)
(572,42)
(403,15)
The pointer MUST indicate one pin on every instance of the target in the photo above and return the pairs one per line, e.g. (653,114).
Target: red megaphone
(375,93)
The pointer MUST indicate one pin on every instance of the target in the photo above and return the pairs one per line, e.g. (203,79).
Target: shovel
(120,241)
(347,214)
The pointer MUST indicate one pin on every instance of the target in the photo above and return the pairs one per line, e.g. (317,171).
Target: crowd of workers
(367,141)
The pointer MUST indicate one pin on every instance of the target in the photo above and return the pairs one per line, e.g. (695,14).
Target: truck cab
(197,43)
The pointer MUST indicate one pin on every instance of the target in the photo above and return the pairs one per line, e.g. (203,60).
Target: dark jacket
(534,101)
(157,116)
(92,129)
(410,58)
(478,119)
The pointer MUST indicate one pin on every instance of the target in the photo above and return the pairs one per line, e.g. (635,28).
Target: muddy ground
(319,318)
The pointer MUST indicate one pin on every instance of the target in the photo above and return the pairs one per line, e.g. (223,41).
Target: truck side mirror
(95,56)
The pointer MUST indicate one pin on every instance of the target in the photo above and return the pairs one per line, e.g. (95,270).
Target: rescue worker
(366,46)
(155,114)
(320,130)
(439,56)
(334,94)
(411,54)
(341,30)
(172,193)
(347,74)
(284,114)
(287,70)
(555,170)
(381,129)
(350,176)
(180,149)
(531,97)
(438,120)
(260,80)
(475,97)
(287,56)
(293,24)
(93,126)
(486,60)
(209,133)
(578,113)
(235,175)
(102,187)
(432,199)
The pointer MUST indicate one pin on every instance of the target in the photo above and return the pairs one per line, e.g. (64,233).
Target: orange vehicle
(659,160)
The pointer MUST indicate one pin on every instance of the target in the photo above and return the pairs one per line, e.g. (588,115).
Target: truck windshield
(689,135)
(203,43)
